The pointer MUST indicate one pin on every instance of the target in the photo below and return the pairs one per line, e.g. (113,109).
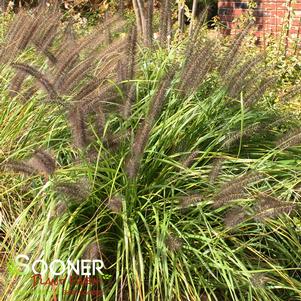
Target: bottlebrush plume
(30,32)
(48,27)
(78,127)
(216,169)
(104,98)
(291,94)
(127,69)
(292,138)
(131,53)
(91,155)
(235,188)
(29,93)
(194,43)
(68,43)
(158,100)
(20,32)
(270,207)
(113,141)
(115,204)
(65,63)
(71,79)
(22,36)
(78,191)
(149,23)
(43,162)
(19,167)
(165,21)
(195,68)
(16,83)
(225,198)
(132,163)
(50,56)
(41,78)
(87,89)
(236,136)
(100,120)
(189,200)
(229,58)
(235,216)
(197,21)
(14,28)
(47,36)
(109,67)
(92,251)
(92,42)
(259,280)
(119,47)
(173,243)
(121,72)
(188,161)
(69,33)
(257,93)
(59,210)
(129,100)
(237,81)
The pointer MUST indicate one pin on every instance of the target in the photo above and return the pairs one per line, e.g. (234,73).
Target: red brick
(271,15)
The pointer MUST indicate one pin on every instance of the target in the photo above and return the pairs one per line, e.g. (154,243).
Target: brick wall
(271,15)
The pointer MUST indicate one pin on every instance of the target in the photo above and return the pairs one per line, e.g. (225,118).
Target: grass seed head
(19,167)
(271,207)
(216,169)
(189,200)
(43,162)
(78,191)
(259,280)
(292,138)
(234,217)
(174,243)
(115,204)
(92,251)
